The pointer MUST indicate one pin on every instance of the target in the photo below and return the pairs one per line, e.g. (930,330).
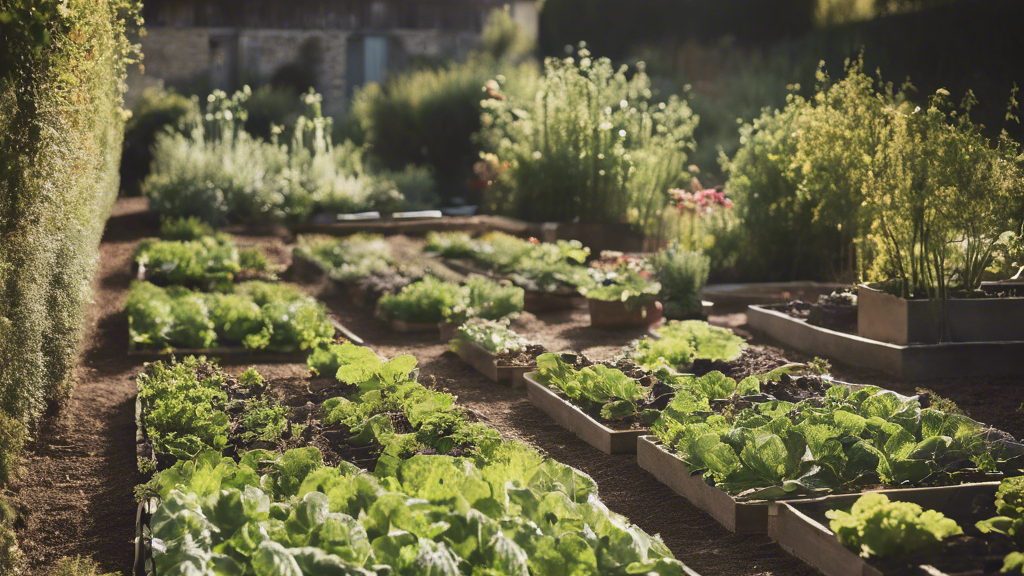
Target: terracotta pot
(613,314)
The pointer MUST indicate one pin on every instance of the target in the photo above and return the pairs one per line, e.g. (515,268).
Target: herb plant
(679,343)
(878,527)
(1010,520)
(682,274)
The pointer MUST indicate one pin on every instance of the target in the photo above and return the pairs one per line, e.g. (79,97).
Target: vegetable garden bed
(914,362)
(757,516)
(801,528)
(486,363)
(586,428)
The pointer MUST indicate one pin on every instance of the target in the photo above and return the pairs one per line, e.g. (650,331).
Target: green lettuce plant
(624,284)
(881,528)
(1010,521)
(486,299)
(597,389)
(678,343)
(491,335)
(350,258)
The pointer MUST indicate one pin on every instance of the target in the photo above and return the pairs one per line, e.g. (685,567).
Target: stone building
(336,44)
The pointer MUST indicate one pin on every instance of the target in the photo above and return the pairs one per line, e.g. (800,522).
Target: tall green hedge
(62,70)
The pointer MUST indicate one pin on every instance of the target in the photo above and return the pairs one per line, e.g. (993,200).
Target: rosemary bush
(592,146)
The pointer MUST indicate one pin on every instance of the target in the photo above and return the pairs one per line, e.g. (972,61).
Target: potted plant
(623,296)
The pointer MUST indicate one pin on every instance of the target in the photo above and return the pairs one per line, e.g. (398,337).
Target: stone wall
(199,59)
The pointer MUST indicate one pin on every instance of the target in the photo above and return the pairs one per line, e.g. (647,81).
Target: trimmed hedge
(62,69)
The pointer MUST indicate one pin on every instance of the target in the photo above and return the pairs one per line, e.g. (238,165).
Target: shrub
(217,171)
(61,127)
(155,111)
(779,234)
(591,146)
(427,117)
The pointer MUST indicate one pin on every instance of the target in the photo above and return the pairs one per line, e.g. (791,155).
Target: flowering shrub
(593,146)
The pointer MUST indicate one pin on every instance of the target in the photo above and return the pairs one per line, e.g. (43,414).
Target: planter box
(739,517)
(913,362)
(446,331)
(486,363)
(613,314)
(537,302)
(743,295)
(800,528)
(882,316)
(586,428)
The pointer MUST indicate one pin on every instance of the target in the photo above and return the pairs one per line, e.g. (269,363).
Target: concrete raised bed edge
(485,363)
(882,316)
(914,362)
(739,517)
(586,428)
(814,543)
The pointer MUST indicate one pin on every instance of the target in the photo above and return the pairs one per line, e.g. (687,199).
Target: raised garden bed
(615,314)
(882,316)
(801,528)
(490,364)
(588,429)
(755,516)
(909,361)
(739,517)
(234,351)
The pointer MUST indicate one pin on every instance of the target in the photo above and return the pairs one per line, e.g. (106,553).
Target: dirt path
(76,492)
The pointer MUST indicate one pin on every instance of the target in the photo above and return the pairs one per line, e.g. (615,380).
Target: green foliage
(428,116)
(12,443)
(486,299)
(776,449)
(423,301)
(592,146)
(77,566)
(192,406)
(10,555)
(155,112)
(1010,521)
(207,262)
(215,170)
(61,77)
(519,514)
(596,389)
(350,258)
(679,343)
(431,300)
(624,284)
(451,244)
(258,315)
(878,527)
(184,229)
(493,336)
(682,274)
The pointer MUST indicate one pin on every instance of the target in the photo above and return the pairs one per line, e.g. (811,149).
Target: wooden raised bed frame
(614,314)
(814,543)
(486,363)
(586,428)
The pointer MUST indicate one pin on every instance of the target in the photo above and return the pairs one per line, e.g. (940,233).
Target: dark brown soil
(76,490)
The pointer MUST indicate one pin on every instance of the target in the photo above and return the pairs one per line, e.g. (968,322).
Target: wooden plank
(486,363)
(586,428)
(739,517)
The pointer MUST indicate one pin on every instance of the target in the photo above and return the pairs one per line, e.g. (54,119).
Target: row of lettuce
(446,495)
(198,289)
